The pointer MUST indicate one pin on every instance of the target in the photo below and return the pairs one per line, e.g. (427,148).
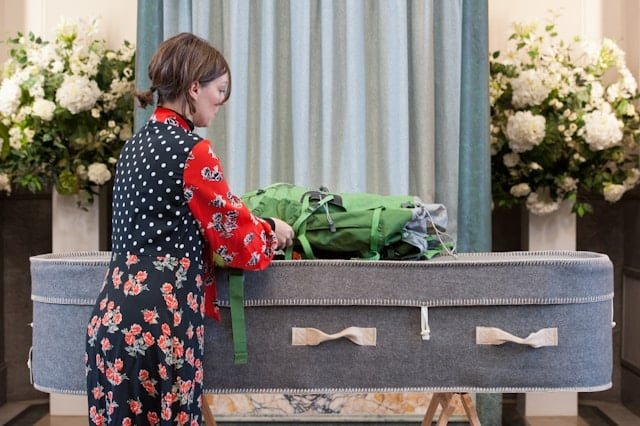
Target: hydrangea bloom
(66,108)
(563,120)
(525,130)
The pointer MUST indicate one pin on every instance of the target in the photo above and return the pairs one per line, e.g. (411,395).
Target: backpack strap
(238,326)
(300,225)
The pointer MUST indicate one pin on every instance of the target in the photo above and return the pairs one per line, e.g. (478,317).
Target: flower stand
(73,229)
(553,231)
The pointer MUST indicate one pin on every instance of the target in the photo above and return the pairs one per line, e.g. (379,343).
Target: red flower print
(163,342)
(141,276)
(129,338)
(106,344)
(98,420)
(137,289)
(149,316)
(171,302)
(199,376)
(149,387)
(103,303)
(118,364)
(117,379)
(97,393)
(99,362)
(166,413)
(170,398)
(177,318)
(185,262)
(117,318)
(143,375)
(198,280)
(185,386)
(131,259)
(189,356)
(148,339)
(190,332)
(110,373)
(162,371)
(136,329)
(111,305)
(116,277)
(153,418)
(127,286)
(166,330)
(135,406)
(182,418)
(126,421)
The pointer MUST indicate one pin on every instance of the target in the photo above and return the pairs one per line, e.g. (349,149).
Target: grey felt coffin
(488,322)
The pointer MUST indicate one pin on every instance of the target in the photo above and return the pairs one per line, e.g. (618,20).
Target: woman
(173,217)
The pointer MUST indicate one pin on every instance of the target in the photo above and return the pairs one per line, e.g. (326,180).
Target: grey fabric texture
(519,292)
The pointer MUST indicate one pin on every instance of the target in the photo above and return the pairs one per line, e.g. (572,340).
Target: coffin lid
(499,278)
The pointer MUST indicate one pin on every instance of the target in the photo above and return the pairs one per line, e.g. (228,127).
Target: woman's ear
(194,90)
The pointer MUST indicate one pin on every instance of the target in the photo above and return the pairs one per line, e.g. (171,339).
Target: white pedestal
(73,229)
(555,231)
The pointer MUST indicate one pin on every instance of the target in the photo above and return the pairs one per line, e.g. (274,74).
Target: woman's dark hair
(178,62)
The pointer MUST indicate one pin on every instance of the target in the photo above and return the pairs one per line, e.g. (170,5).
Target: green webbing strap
(375,235)
(238,327)
(300,225)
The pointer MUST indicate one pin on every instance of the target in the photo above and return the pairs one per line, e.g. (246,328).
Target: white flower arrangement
(563,120)
(66,108)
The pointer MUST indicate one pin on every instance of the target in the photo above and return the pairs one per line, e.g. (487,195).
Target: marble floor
(592,413)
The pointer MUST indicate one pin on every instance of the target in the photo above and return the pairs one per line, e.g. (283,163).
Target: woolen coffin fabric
(518,292)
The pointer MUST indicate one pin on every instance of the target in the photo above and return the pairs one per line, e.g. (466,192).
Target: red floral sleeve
(234,237)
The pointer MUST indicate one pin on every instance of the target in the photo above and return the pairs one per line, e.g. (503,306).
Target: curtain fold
(354,95)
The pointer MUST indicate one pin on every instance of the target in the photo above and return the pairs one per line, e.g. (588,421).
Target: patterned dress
(173,215)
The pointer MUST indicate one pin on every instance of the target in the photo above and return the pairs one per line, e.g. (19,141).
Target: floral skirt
(145,343)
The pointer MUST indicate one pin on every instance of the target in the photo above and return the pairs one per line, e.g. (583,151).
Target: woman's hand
(284,233)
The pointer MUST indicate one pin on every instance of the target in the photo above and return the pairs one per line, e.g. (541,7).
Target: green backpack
(341,225)
(353,225)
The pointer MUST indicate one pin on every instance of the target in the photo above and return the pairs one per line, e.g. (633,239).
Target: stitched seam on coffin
(75,257)
(470,389)
(468,259)
(428,302)
(63,300)
(372,302)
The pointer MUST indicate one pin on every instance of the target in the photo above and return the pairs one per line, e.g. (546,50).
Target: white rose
(98,173)
(525,130)
(520,190)
(511,159)
(540,203)
(613,192)
(44,109)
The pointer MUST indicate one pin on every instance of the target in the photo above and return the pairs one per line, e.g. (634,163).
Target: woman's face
(208,98)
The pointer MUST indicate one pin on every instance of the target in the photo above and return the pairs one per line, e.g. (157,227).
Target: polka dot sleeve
(234,236)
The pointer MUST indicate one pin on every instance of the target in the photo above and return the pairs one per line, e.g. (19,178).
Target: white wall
(117,18)
(592,19)
(616,19)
